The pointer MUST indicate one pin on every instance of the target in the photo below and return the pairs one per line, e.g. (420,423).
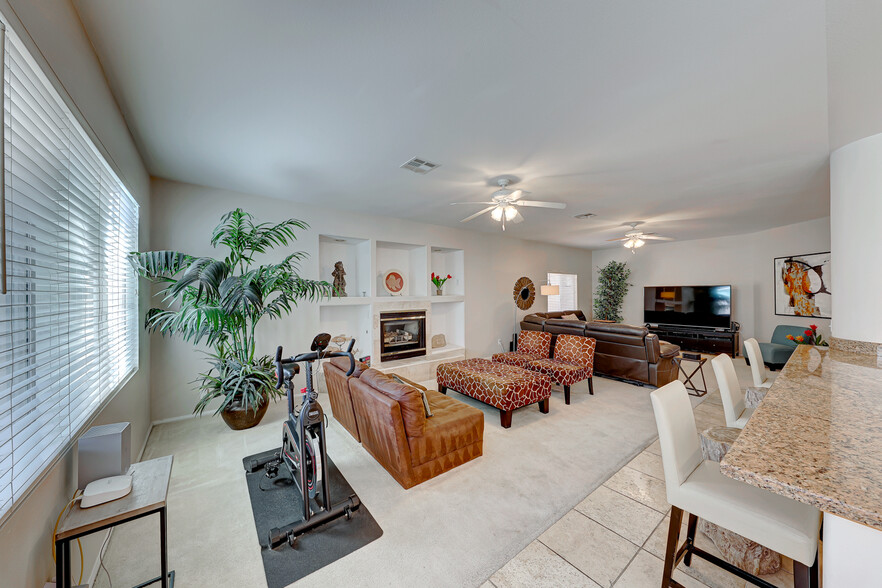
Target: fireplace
(402,334)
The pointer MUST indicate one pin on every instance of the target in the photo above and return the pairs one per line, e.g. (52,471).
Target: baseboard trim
(173,420)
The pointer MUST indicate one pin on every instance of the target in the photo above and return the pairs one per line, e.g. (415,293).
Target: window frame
(117,297)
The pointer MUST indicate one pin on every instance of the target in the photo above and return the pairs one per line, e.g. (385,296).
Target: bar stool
(757,365)
(737,413)
(696,487)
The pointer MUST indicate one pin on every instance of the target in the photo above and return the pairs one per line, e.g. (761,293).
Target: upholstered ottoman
(502,386)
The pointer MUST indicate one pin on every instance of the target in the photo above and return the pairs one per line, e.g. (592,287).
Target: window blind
(69,334)
(567,299)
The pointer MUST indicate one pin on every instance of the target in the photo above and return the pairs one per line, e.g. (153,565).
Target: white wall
(52,31)
(855,212)
(744,261)
(184,215)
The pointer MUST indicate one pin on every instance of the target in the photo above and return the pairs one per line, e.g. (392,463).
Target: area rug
(277,502)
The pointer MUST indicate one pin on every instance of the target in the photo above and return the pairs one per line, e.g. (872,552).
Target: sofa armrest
(534,319)
(381,428)
(653,350)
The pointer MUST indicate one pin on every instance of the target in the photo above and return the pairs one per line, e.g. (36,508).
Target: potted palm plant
(219,302)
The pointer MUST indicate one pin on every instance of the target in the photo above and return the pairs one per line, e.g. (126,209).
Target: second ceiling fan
(504,204)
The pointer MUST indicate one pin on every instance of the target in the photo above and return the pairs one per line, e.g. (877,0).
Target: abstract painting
(802,285)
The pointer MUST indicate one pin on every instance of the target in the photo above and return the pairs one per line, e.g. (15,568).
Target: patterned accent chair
(532,345)
(573,362)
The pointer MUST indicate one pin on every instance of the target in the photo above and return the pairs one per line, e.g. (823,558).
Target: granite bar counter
(817,435)
(817,438)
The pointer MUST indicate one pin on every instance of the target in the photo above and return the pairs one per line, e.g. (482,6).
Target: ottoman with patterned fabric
(505,387)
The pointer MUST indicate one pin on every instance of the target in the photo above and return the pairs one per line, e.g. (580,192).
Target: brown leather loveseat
(623,351)
(390,421)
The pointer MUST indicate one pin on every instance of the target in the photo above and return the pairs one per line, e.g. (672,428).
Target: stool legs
(591,385)
(671,549)
(567,394)
(806,577)
(690,537)
(543,405)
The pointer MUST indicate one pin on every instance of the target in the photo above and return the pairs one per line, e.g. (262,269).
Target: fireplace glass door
(403,334)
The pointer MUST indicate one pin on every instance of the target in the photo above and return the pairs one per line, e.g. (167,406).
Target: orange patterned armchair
(573,362)
(532,345)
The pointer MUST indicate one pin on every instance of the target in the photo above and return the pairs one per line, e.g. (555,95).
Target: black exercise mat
(280,504)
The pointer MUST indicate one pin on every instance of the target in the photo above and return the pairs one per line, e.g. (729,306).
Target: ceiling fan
(504,204)
(635,239)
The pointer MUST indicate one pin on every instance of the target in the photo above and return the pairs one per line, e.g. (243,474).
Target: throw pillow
(570,317)
(418,388)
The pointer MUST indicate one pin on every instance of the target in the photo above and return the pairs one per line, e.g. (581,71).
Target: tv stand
(702,339)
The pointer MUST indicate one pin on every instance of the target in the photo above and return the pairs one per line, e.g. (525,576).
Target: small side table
(690,385)
(148,496)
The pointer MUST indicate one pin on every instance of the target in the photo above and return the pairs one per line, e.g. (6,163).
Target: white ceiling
(701,118)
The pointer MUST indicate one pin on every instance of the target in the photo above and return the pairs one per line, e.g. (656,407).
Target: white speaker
(104,451)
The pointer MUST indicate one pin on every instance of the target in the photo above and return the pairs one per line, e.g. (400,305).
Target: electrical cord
(76,497)
(101,559)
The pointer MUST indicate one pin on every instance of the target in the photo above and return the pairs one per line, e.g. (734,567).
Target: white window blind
(69,334)
(567,299)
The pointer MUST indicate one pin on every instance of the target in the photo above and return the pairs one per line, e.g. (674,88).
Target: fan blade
(477,214)
(452,203)
(519,218)
(619,239)
(656,237)
(540,204)
(516,194)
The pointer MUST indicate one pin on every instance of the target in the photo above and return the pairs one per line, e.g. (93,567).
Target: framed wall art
(802,285)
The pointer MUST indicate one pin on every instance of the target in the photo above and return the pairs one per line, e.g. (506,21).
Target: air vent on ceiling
(420,166)
(584,216)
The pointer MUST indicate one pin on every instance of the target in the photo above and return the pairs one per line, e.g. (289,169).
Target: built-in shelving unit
(366,261)
(444,261)
(356,257)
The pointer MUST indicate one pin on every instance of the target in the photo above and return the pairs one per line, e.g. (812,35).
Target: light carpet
(454,530)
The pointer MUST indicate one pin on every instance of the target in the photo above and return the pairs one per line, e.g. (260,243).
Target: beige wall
(744,261)
(55,37)
(184,215)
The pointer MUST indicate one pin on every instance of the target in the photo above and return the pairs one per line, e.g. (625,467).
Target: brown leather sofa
(623,351)
(391,423)
(338,391)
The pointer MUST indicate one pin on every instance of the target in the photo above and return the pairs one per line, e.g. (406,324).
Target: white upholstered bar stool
(757,365)
(737,414)
(697,487)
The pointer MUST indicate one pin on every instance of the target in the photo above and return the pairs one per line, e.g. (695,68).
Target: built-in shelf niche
(353,320)
(448,318)
(356,257)
(444,261)
(411,260)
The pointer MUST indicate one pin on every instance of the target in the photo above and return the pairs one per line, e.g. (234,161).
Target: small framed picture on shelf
(394,282)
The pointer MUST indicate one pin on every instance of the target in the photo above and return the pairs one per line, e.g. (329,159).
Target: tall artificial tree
(219,302)
(612,286)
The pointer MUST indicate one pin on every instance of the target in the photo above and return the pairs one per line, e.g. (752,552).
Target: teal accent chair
(776,353)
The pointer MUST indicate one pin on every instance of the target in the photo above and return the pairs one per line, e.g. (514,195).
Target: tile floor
(616,536)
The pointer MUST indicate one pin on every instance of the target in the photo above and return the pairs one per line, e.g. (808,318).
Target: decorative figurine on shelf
(439,283)
(339,280)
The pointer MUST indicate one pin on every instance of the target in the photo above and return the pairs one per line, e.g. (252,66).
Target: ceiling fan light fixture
(638,242)
(629,244)
(510,212)
(496,214)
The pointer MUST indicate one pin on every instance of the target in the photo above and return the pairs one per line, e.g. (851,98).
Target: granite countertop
(817,435)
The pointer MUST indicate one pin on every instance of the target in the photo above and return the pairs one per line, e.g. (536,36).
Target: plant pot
(439,292)
(238,418)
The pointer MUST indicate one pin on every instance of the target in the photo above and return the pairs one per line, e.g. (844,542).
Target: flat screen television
(691,306)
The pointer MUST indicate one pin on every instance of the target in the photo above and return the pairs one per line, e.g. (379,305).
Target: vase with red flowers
(439,280)
(810,336)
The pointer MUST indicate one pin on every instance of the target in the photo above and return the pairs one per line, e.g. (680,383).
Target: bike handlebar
(310,357)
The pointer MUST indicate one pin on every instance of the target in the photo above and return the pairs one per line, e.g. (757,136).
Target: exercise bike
(303,450)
